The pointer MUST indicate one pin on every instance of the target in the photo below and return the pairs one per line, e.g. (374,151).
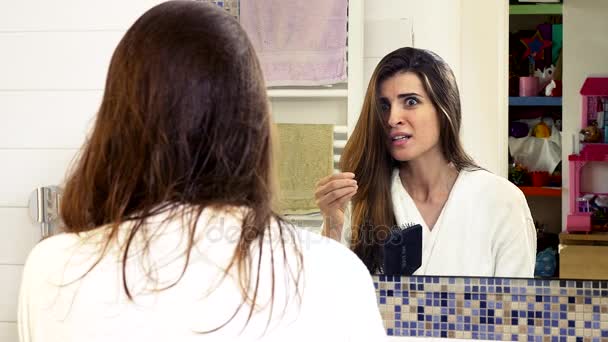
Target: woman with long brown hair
(404,165)
(170,229)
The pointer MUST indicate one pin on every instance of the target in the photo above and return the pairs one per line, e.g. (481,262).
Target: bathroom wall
(53,64)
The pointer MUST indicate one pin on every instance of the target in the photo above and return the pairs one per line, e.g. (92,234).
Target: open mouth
(401,137)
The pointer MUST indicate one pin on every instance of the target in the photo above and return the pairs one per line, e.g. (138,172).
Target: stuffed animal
(591,133)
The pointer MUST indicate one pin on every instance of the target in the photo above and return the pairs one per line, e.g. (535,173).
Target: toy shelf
(541,191)
(535,101)
(546,9)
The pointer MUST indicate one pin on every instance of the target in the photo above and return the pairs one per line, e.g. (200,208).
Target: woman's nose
(395,118)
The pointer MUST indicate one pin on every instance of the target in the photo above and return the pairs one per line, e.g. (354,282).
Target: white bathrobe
(485,228)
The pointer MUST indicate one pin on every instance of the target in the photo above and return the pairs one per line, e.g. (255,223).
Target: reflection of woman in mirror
(171,235)
(404,164)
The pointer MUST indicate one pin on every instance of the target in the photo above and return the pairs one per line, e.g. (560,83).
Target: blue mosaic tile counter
(494,308)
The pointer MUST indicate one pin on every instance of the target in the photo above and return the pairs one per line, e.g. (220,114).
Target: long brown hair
(184,122)
(366,153)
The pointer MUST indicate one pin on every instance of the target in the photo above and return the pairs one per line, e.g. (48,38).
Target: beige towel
(305,155)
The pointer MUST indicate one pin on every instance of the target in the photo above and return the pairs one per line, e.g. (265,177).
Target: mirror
(518,138)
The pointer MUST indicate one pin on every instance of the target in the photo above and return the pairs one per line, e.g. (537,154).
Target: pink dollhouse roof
(595,86)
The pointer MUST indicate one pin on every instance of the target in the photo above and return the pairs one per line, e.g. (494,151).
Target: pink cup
(528,86)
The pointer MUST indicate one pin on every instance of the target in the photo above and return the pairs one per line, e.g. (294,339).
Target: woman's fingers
(337,197)
(341,175)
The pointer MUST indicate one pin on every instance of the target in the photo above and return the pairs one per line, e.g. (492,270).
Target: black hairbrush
(403,250)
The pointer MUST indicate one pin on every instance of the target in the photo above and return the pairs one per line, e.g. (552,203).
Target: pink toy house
(594,100)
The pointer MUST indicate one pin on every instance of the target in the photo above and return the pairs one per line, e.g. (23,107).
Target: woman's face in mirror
(411,116)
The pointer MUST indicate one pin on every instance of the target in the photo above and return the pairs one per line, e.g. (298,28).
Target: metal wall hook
(44,206)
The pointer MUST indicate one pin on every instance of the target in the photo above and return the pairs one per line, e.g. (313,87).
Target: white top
(485,228)
(338,297)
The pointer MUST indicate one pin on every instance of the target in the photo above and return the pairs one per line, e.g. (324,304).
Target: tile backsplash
(500,309)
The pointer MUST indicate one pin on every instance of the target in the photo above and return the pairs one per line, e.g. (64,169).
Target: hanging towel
(305,156)
(299,43)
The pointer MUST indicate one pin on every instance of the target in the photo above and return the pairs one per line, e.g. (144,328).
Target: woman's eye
(384,107)
(411,101)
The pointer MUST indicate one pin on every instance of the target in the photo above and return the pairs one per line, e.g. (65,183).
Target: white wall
(53,60)
(585,54)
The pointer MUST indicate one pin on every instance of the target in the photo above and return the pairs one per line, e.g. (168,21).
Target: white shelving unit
(339,104)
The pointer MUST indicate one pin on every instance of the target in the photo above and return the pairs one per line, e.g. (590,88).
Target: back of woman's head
(183,120)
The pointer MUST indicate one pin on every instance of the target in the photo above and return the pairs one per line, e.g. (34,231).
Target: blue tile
(596,309)
(467,327)
(547,314)
(390,293)
(604,333)
(596,325)
(412,332)
(538,314)
(475,327)
(483,289)
(406,324)
(405,293)
(459,327)
(475,288)
(596,339)
(397,308)
(571,332)
(436,302)
(554,339)
(451,327)
(596,317)
(571,300)
(506,282)
(475,336)
(390,332)
(414,325)
(498,289)
(563,339)
(405,301)
(475,312)
(420,318)
(491,320)
(467,319)
(563,332)
(482,320)
(382,300)
(428,318)
(398,316)
(436,326)
(579,339)
(587,325)
(443,326)
(451,311)
(452,281)
(499,321)
(444,334)
(482,336)
(563,307)
(514,321)
(476,296)
(555,315)
(547,323)
(499,305)
(571,324)
(547,331)
(398,286)
(514,338)
(587,300)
